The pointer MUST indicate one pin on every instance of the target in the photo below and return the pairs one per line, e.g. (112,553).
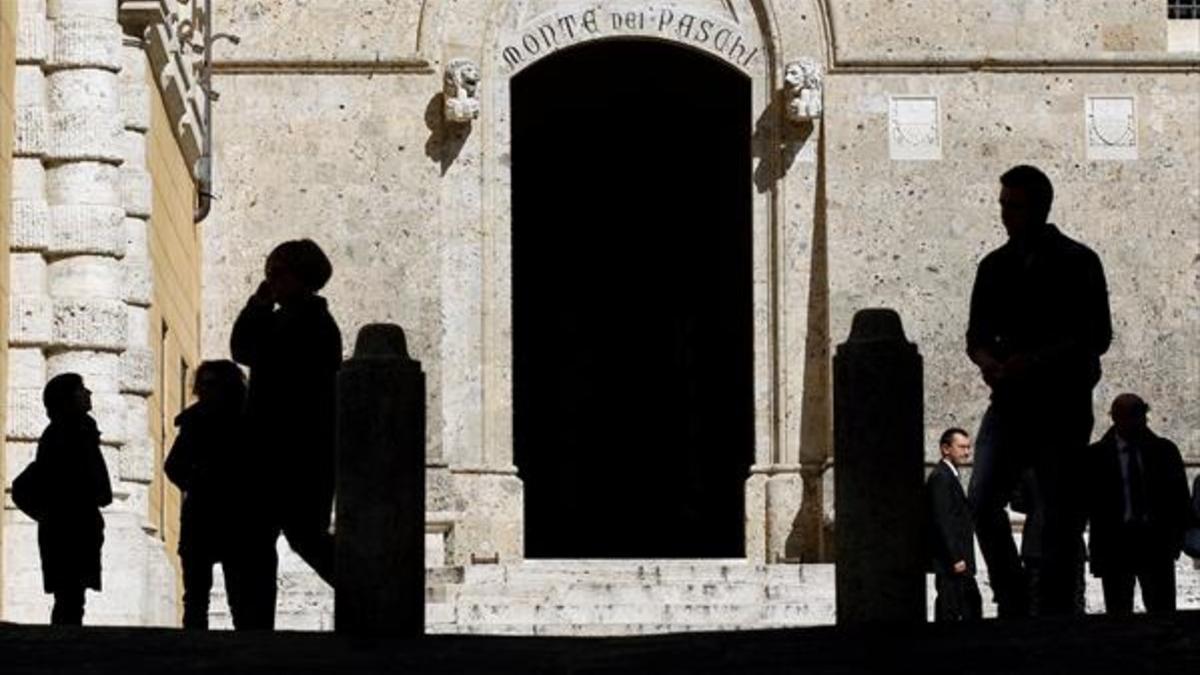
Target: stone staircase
(627,597)
(615,597)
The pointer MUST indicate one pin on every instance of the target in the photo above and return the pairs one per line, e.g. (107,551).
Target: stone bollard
(878,411)
(381,488)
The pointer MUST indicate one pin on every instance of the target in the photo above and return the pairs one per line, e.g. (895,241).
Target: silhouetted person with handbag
(288,338)
(74,480)
(207,463)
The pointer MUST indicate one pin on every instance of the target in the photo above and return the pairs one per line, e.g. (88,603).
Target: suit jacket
(1115,545)
(951,531)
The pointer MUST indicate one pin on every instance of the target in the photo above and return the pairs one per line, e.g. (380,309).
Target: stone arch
(505,28)
(476,219)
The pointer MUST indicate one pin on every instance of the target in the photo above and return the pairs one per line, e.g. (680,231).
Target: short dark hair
(305,259)
(229,379)
(59,394)
(1035,184)
(949,434)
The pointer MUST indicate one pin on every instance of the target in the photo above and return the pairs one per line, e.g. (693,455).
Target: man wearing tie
(952,534)
(1138,510)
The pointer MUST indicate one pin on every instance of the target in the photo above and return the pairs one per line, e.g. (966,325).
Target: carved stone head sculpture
(460,91)
(802,85)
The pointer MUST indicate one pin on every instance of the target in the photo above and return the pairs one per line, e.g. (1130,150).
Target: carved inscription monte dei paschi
(549,33)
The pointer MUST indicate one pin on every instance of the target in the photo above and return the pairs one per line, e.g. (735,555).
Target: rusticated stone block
(85,42)
(85,276)
(31,35)
(83,89)
(139,282)
(89,324)
(137,191)
(94,9)
(84,183)
(133,150)
(29,320)
(136,462)
(137,370)
(29,131)
(26,414)
(138,321)
(78,229)
(109,412)
(26,368)
(84,135)
(100,370)
(30,226)
(28,179)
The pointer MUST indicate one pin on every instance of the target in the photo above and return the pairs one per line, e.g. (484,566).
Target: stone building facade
(858,168)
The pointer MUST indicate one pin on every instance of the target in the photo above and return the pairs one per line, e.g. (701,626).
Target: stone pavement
(1093,645)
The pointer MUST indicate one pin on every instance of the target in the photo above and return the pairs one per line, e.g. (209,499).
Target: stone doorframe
(476,221)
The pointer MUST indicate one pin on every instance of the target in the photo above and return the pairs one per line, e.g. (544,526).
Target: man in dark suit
(1138,507)
(952,535)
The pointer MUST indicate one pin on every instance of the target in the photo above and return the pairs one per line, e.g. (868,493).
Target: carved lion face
(793,75)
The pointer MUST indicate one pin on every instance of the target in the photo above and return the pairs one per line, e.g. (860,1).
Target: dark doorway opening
(632,302)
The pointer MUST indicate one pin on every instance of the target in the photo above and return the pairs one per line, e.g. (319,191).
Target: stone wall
(82,286)
(8,67)
(337,133)
(908,234)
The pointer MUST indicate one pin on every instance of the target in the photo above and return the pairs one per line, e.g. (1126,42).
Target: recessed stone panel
(1111,124)
(89,324)
(79,229)
(914,128)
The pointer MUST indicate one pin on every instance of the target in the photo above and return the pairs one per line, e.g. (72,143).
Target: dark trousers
(197,586)
(1045,435)
(958,598)
(307,531)
(250,578)
(1157,579)
(68,607)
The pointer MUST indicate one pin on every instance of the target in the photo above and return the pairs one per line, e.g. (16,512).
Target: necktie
(1137,486)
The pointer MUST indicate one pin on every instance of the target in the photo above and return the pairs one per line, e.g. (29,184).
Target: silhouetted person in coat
(1138,507)
(952,537)
(1039,323)
(292,345)
(207,463)
(74,477)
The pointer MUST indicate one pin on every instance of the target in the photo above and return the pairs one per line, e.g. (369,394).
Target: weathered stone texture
(320,30)
(909,234)
(887,29)
(348,169)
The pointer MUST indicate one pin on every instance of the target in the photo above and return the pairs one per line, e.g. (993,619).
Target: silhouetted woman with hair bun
(291,343)
(75,484)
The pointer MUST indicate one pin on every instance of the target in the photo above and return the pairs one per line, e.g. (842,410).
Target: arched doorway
(633,401)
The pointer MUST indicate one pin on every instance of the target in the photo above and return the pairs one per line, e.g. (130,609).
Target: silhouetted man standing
(1039,323)
(952,537)
(1139,508)
(294,349)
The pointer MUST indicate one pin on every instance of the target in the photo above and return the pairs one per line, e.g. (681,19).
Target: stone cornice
(174,64)
(1017,62)
(413,65)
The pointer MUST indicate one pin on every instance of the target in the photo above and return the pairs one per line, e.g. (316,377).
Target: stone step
(587,630)
(665,571)
(640,613)
(591,592)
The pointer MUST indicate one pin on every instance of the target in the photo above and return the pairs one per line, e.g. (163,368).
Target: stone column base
(773,500)
(492,528)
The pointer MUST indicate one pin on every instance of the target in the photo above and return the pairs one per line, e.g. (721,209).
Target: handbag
(28,493)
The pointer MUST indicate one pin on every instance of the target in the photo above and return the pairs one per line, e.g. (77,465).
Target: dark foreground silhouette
(288,338)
